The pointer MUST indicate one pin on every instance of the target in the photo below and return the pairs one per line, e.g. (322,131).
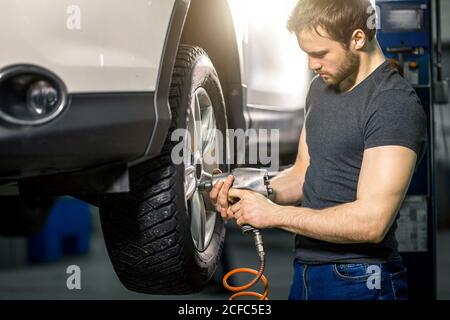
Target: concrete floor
(98,280)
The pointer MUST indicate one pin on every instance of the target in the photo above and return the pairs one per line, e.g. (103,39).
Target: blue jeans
(349,281)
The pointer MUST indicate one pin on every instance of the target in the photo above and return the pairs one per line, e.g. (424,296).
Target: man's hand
(219,196)
(253,209)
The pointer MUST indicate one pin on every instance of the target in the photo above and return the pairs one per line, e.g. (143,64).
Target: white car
(90,94)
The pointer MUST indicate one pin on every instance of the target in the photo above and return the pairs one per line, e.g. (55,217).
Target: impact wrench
(256,180)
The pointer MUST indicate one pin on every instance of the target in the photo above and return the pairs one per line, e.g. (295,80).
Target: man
(364,133)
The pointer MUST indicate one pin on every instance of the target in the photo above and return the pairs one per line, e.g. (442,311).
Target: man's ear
(358,40)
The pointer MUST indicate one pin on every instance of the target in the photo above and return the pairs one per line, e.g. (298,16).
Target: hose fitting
(259,244)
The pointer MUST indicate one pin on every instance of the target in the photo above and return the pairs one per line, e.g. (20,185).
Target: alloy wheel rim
(200,160)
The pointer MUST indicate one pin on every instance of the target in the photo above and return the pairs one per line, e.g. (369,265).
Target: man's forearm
(287,187)
(344,224)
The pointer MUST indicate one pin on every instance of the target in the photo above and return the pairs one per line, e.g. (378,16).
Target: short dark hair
(339,18)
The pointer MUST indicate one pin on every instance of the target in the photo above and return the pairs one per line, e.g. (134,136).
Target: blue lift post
(405,35)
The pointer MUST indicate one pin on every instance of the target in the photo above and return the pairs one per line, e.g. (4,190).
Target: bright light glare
(274,62)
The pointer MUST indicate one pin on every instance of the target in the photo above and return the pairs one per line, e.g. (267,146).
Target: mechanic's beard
(349,67)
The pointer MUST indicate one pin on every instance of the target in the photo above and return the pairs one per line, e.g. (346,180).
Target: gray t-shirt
(382,110)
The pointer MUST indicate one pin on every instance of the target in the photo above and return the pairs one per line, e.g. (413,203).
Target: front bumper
(95,129)
(94,46)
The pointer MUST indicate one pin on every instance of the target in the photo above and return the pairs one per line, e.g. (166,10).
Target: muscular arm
(384,179)
(288,184)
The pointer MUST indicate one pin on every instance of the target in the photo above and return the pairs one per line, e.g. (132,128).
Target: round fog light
(30,95)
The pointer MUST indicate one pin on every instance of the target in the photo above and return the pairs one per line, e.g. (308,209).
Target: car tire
(151,233)
(23,217)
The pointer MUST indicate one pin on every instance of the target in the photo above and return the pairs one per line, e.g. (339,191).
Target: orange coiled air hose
(240,291)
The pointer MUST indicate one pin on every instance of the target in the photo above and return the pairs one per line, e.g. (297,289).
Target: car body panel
(94,46)
(274,69)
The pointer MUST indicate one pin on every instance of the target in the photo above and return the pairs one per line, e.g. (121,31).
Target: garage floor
(98,280)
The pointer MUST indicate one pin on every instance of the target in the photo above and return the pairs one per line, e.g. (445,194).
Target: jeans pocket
(399,285)
(351,272)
